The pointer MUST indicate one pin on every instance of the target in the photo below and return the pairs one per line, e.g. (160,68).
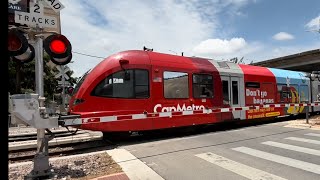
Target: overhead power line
(88,55)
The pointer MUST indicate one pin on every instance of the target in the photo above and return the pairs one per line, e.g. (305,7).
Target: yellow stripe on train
(270,114)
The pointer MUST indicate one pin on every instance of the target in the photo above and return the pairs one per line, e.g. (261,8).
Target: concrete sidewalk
(133,168)
(314,123)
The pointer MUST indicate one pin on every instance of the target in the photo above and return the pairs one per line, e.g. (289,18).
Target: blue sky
(263,19)
(217,29)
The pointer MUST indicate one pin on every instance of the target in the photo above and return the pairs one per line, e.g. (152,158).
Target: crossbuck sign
(63,75)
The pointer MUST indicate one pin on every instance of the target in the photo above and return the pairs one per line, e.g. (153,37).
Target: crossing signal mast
(26,41)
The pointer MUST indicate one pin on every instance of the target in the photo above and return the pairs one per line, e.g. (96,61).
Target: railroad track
(100,144)
(33,136)
(62,150)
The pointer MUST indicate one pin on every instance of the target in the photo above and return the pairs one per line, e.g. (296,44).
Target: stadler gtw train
(140,90)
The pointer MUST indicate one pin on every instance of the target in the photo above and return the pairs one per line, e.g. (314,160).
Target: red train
(143,90)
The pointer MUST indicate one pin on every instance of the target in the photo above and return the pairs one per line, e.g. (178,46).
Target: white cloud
(314,23)
(102,28)
(261,54)
(282,36)
(219,47)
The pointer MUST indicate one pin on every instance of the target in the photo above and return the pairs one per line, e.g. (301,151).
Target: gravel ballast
(80,167)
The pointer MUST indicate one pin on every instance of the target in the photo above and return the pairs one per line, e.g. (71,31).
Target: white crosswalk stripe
(254,173)
(313,134)
(310,167)
(238,168)
(303,140)
(293,148)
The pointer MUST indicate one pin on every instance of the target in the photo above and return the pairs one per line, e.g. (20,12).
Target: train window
(284,92)
(176,84)
(141,83)
(304,93)
(225,90)
(235,92)
(202,86)
(124,84)
(79,83)
(252,85)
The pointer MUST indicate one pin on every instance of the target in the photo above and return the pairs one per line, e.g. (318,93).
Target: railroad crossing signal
(62,72)
(56,45)
(59,49)
(18,46)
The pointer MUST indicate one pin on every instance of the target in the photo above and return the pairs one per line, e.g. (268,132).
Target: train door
(231,94)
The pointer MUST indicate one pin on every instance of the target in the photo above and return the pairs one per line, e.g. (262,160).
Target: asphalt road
(269,151)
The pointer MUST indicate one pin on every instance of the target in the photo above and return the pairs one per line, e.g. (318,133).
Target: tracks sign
(35,17)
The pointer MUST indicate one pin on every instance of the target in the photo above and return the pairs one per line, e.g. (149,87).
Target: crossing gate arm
(69,120)
(77,120)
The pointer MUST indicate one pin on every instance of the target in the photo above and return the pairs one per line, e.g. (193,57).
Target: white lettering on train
(159,108)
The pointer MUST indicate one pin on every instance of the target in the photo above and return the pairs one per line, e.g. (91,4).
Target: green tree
(22,78)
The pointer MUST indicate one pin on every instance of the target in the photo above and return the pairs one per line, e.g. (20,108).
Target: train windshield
(79,83)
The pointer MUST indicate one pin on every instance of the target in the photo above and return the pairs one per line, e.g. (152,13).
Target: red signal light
(69,90)
(17,42)
(18,46)
(14,43)
(58,48)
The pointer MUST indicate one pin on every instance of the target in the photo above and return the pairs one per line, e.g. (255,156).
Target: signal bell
(58,48)
(18,46)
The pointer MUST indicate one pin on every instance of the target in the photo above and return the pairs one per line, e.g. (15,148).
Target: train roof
(176,62)
(287,76)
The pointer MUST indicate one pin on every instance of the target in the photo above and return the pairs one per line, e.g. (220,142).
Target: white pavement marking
(313,134)
(293,148)
(303,140)
(133,167)
(314,168)
(238,168)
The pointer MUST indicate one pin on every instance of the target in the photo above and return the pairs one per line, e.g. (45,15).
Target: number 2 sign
(36,8)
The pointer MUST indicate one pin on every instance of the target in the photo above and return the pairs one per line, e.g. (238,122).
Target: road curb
(116,176)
